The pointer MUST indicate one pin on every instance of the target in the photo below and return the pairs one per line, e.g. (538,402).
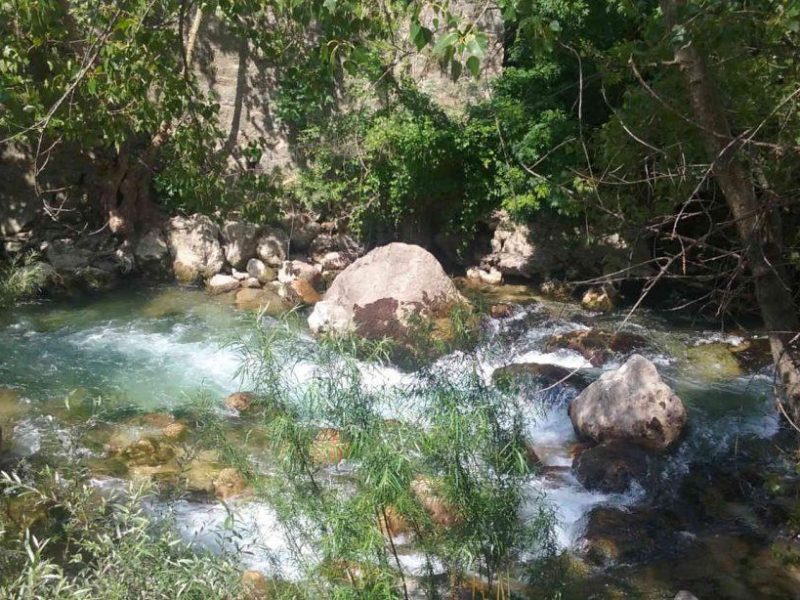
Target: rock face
(195,248)
(517,250)
(241,242)
(631,403)
(376,295)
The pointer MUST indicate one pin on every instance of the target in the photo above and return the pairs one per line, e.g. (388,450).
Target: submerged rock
(229,483)
(263,299)
(377,294)
(710,362)
(240,401)
(328,447)
(612,467)
(598,299)
(428,493)
(195,248)
(596,345)
(632,403)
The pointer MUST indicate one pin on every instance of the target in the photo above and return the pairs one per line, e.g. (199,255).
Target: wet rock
(195,248)
(377,294)
(292,270)
(272,245)
(328,447)
(393,524)
(685,595)
(255,586)
(147,452)
(710,362)
(251,282)
(258,270)
(557,290)
(240,401)
(615,535)
(753,354)
(201,472)
(261,300)
(598,299)
(241,242)
(631,403)
(502,310)
(175,431)
(613,466)
(596,345)
(428,493)
(545,373)
(229,483)
(489,276)
(220,284)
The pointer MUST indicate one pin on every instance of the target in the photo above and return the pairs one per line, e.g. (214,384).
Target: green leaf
(445,42)
(330,5)
(474,66)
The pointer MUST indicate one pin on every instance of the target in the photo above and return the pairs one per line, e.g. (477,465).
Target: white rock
(631,403)
(219,284)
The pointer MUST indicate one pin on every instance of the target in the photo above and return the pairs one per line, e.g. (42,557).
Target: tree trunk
(758,225)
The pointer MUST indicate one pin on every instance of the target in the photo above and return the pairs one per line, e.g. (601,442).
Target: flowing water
(163,350)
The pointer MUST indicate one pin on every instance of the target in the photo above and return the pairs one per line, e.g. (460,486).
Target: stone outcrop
(378,293)
(195,248)
(258,270)
(631,404)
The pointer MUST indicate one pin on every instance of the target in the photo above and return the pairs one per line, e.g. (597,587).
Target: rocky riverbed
(117,382)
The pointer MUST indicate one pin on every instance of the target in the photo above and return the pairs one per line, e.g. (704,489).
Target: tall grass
(63,539)
(21,278)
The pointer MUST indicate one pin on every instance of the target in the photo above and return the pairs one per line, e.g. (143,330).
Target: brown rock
(261,299)
(502,310)
(241,401)
(255,586)
(328,447)
(428,494)
(229,483)
(304,292)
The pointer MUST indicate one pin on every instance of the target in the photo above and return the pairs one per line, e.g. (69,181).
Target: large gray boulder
(377,294)
(151,248)
(195,248)
(631,403)
(241,242)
